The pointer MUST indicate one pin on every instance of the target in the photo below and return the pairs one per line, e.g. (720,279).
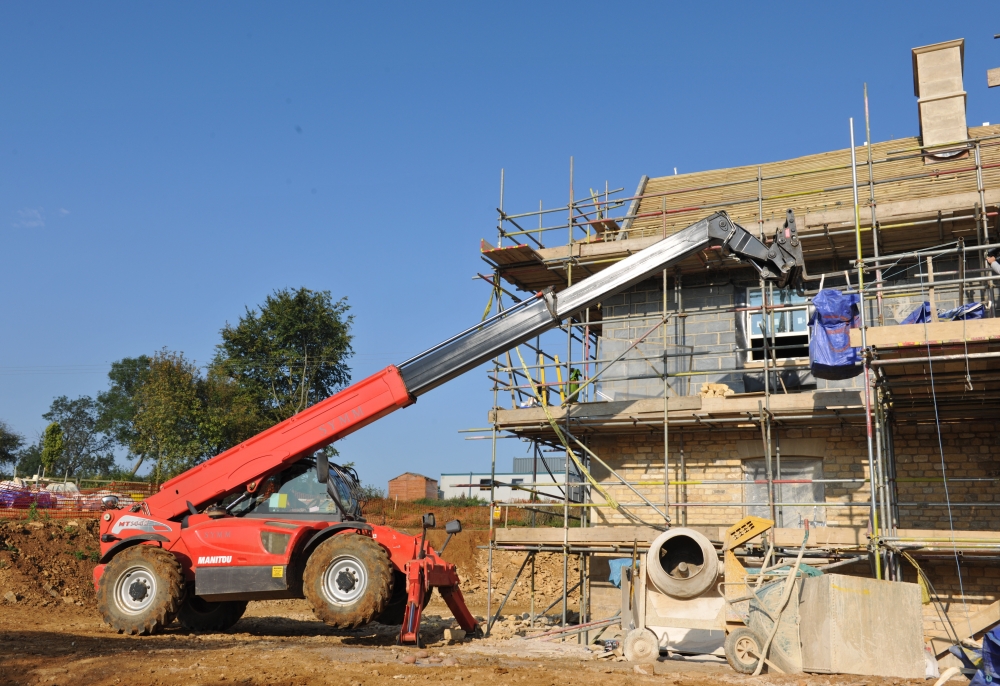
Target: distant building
(410,486)
(517,483)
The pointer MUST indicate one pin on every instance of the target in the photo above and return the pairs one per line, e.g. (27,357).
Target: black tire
(741,647)
(348,580)
(393,614)
(197,614)
(140,590)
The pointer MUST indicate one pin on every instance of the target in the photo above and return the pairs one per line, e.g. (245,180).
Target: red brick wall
(412,487)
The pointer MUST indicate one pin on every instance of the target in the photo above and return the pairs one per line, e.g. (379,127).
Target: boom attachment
(394,387)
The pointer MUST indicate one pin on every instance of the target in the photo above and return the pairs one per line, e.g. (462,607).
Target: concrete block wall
(969,452)
(698,338)
(714,456)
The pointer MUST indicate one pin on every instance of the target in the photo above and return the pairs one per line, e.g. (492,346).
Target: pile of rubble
(548,577)
(521,625)
(48,562)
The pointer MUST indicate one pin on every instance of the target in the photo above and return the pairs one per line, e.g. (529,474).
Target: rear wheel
(197,614)
(742,650)
(348,580)
(141,590)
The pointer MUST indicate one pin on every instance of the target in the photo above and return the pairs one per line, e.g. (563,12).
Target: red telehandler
(272,518)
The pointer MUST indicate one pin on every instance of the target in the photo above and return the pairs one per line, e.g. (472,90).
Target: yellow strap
(562,439)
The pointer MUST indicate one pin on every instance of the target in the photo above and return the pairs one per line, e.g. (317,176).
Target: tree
(168,414)
(116,407)
(289,354)
(52,447)
(10,443)
(229,415)
(86,449)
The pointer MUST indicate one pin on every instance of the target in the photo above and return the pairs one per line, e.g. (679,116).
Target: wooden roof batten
(916,206)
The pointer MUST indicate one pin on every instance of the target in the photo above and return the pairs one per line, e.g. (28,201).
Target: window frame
(754,334)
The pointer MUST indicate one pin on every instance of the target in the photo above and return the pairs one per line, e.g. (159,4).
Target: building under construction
(691,399)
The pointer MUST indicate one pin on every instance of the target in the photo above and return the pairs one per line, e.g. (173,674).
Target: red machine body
(227,558)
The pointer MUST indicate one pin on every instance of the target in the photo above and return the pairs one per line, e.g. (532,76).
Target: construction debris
(715,390)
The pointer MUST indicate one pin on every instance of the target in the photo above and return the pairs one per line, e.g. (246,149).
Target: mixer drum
(682,563)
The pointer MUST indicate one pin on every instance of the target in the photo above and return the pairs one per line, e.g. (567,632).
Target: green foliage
(10,443)
(371,492)
(86,449)
(279,359)
(168,414)
(94,556)
(79,555)
(29,460)
(32,512)
(289,354)
(53,446)
(117,406)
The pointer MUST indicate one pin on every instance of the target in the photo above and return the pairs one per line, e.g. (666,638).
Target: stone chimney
(937,83)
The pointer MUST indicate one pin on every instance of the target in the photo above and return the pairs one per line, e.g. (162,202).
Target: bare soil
(51,634)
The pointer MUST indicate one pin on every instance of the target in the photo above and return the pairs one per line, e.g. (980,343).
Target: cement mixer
(671,599)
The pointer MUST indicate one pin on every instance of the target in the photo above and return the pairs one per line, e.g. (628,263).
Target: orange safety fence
(24,500)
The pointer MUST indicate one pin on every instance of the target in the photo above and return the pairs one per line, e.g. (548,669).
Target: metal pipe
(872,473)
(934,358)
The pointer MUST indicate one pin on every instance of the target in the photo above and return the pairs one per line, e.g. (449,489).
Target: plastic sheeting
(831,356)
(923,313)
(986,661)
(616,565)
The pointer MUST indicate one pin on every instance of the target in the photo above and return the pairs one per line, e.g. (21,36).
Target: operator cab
(296,493)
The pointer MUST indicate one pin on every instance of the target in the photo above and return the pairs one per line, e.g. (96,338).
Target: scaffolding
(918,242)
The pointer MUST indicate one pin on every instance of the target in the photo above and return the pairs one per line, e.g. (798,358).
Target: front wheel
(641,645)
(742,650)
(348,580)
(141,590)
(197,614)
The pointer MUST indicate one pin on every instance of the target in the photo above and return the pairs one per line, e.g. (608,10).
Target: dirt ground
(50,633)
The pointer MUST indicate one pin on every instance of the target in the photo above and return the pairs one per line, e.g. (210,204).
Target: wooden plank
(908,335)
(589,535)
(980,622)
(599,410)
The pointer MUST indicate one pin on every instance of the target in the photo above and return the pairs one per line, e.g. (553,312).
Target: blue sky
(163,165)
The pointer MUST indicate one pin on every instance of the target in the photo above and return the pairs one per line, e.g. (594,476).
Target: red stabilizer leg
(409,633)
(456,603)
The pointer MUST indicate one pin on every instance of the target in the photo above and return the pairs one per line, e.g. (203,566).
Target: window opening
(791,326)
(794,469)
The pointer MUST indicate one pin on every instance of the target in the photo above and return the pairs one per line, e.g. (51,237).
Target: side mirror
(428,521)
(322,468)
(110,502)
(453,527)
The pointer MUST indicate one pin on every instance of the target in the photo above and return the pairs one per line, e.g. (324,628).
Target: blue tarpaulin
(616,565)
(830,353)
(986,661)
(923,313)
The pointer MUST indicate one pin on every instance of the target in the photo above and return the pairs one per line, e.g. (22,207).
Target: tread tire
(641,645)
(196,614)
(158,564)
(371,601)
(736,655)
